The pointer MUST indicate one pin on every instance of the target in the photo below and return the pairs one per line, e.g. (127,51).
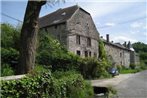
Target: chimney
(107,37)
(129,45)
(125,44)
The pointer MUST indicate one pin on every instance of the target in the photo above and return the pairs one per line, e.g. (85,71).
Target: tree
(102,52)
(28,37)
(141,48)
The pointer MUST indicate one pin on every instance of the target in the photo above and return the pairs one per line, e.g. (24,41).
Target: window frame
(78,39)
(88,41)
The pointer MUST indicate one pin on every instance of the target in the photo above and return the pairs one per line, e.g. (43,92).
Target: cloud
(145,27)
(108,0)
(136,25)
(110,24)
(99,9)
(122,39)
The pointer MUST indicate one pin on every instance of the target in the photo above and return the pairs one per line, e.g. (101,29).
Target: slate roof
(118,45)
(57,17)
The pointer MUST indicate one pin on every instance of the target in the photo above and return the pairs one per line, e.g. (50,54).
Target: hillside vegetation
(141,48)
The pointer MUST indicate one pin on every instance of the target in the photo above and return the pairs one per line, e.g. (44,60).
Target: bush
(6,70)
(47,86)
(133,66)
(91,68)
(9,56)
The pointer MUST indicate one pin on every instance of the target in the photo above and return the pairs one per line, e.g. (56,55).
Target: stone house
(74,28)
(120,54)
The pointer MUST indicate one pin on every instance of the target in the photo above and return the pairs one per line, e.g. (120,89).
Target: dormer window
(63,14)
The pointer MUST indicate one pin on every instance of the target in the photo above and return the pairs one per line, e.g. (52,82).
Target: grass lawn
(126,71)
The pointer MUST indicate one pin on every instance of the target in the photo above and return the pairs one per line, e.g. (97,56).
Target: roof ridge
(60,9)
(59,13)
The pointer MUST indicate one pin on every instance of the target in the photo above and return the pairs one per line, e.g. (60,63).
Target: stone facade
(134,58)
(120,54)
(117,54)
(86,31)
(78,33)
(75,29)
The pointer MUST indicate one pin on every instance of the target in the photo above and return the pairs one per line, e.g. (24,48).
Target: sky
(123,20)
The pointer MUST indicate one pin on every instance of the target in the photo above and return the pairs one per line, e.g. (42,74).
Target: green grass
(126,71)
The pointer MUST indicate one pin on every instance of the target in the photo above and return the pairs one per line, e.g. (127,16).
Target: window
(88,41)
(45,29)
(78,39)
(78,52)
(120,54)
(121,63)
(55,26)
(95,55)
(90,53)
(86,53)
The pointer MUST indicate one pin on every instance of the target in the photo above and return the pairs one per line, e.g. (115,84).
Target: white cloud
(136,25)
(109,1)
(122,39)
(110,24)
(99,9)
(145,27)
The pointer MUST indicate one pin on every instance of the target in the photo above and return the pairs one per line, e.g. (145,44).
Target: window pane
(88,41)
(78,39)
(86,53)
(78,52)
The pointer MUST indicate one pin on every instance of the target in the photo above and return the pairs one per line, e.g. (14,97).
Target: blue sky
(124,20)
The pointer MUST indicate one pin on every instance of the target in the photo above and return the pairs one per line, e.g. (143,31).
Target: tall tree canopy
(141,48)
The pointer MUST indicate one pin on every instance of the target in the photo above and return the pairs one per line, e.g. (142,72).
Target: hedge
(47,86)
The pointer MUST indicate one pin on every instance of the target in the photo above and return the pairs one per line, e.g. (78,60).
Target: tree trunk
(28,36)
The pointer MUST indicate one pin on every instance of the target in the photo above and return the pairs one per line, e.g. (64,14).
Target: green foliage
(6,70)
(126,71)
(102,52)
(9,48)
(91,68)
(51,52)
(133,66)
(9,55)
(46,86)
(141,48)
(112,91)
(9,36)
(9,61)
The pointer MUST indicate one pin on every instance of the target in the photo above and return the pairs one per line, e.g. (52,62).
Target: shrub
(47,86)
(91,68)
(6,70)
(9,56)
(133,66)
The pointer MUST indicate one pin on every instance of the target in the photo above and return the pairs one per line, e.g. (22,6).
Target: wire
(11,17)
(102,27)
(124,22)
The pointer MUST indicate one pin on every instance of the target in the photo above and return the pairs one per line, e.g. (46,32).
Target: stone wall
(134,58)
(82,24)
(92,50)
(118,55)
(59,32)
